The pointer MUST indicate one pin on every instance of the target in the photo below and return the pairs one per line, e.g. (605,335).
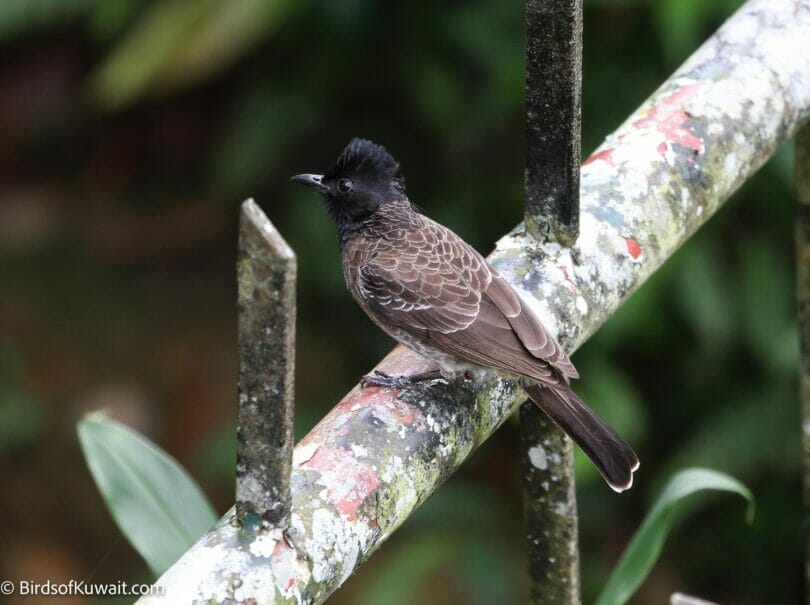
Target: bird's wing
(531,332)
(430,283)
(440,289)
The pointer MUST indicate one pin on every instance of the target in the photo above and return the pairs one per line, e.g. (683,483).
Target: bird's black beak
(311,180)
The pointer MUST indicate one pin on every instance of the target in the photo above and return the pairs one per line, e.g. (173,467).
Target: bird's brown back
(416,278)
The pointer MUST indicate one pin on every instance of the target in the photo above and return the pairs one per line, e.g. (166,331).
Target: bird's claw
(385,381)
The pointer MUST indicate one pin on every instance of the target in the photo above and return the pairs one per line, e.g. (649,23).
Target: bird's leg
(381,379)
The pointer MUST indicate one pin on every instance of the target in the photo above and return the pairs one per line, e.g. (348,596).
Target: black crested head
(363,178)
(364,159)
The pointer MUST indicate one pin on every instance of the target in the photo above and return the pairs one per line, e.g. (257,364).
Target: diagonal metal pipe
(376,456)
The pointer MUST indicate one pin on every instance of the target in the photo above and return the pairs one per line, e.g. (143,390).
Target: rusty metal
(264,426)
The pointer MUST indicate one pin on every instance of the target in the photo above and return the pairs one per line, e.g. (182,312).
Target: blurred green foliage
(644,549)
(21,414)
(156,504)
(131,130)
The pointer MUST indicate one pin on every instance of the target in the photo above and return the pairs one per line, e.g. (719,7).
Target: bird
(431,291)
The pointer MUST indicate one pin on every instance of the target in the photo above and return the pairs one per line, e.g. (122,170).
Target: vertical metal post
(550,509)
(553,108)
(266,271)
(803,307)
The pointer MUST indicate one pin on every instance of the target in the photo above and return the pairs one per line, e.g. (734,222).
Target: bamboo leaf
(177,43)
(154,501)
(645,547)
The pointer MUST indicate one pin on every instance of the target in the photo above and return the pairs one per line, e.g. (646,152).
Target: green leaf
(156,504)
(645,547)
(177,43)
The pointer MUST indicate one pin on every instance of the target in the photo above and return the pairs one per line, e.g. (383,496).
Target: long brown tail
(611,455)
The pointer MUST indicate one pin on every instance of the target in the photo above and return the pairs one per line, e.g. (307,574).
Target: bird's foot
(381,379)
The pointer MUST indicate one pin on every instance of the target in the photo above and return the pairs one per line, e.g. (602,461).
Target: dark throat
(388,219)
(347,225)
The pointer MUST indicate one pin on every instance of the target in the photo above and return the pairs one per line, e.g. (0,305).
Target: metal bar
(553,110)
(266,270)
(550,509)
(377,455)
(803,307)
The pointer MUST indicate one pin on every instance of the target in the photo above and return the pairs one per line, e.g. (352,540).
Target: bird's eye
(345,186)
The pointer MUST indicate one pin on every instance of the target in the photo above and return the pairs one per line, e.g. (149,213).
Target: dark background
(131,130)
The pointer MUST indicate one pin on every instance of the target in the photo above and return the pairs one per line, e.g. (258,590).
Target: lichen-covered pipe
(803,308)
(377,455)
(266,271)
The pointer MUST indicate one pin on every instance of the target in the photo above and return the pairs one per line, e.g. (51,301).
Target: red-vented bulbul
(430,290)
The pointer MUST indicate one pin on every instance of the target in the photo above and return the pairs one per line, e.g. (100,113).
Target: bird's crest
(364,157)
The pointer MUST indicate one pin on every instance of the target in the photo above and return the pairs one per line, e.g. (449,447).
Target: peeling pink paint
(669,118)
(390,410)
(362,399)
(606,155)
(634,249)
(381,403)
(284,570)
(347,480)
(404,413)
(571,285)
